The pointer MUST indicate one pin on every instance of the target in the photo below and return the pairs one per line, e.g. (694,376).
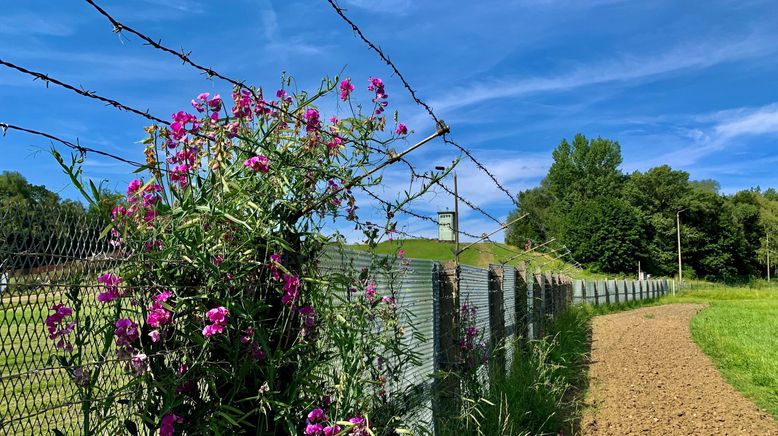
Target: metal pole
(678,232)
(456,221)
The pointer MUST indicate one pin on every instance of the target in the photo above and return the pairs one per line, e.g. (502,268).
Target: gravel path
(648,377)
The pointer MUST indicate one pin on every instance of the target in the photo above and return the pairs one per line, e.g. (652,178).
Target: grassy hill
(480,255)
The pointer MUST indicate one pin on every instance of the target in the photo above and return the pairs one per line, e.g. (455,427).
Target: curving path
(647,376)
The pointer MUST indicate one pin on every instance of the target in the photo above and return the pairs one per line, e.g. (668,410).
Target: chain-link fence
(48,256)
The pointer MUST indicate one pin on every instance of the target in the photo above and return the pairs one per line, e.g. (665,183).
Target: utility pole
(456,221)
(678,232)
(456,216)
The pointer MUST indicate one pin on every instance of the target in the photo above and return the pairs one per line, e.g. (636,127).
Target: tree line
(610,220)
(38,227)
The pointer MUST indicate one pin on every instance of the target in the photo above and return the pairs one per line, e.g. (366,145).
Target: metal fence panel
(414,286)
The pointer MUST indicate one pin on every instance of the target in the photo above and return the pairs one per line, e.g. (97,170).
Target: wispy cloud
(28,24)
(724,129)
(633,68)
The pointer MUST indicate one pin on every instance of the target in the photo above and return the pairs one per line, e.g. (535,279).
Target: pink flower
(58,329)
(111,282)
(312,120)
(345,89)
(167,429)
(212,329)
(313,429)
(218,260)
(257,163)
(218,315)
(139,364)
(316,415)
(180,175)
(158,314)
(275,262)
(291,288)
(247,335)
(331,430)
(154,335)
(402,129)
(133,187)
(215,103)
(377,85)
(401,252)
(370,292)
(126,332)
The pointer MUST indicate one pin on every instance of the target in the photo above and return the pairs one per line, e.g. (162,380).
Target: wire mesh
(47,256)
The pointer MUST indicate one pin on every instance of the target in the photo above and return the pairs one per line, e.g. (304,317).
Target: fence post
(539,304)
(523,304)
(496,319)
(448,391)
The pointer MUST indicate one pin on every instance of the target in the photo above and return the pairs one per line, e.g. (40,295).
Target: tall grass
(541,391)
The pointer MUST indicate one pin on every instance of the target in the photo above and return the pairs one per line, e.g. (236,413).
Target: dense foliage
(225,318)
(611,221)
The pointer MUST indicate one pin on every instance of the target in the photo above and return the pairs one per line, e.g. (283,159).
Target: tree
(15,188)
(584,170)
(606,233)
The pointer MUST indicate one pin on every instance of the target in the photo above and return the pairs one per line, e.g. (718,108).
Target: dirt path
(648,377)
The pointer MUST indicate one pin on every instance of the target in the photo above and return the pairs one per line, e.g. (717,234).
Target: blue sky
(690,84)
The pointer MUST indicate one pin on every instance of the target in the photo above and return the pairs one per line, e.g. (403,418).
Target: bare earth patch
(647,376)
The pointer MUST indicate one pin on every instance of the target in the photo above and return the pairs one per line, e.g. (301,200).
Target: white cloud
(626,69)
(724,129)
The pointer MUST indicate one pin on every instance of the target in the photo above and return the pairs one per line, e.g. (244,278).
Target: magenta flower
(370,292)
(335,143)
(401,252)
(312,120)
(331,430)
(212,329)
(291,288)
(180,175)
(257,163)
(154,335)
(126,332)
(247,335)
(215,103)
(133,187)
(313,429)
(316,415)
(218,315)
(158,314)
(345,89)
(402,129)
(218,260)
(111,282)
(275,262)
(57,327)
(167,428)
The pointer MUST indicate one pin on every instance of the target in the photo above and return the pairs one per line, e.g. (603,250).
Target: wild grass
(541,392)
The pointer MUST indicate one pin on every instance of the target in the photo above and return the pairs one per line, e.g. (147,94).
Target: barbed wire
(75,146)
(414,96)
(184,56)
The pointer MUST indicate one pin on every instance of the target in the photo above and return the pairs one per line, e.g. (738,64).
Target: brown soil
(647,376)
